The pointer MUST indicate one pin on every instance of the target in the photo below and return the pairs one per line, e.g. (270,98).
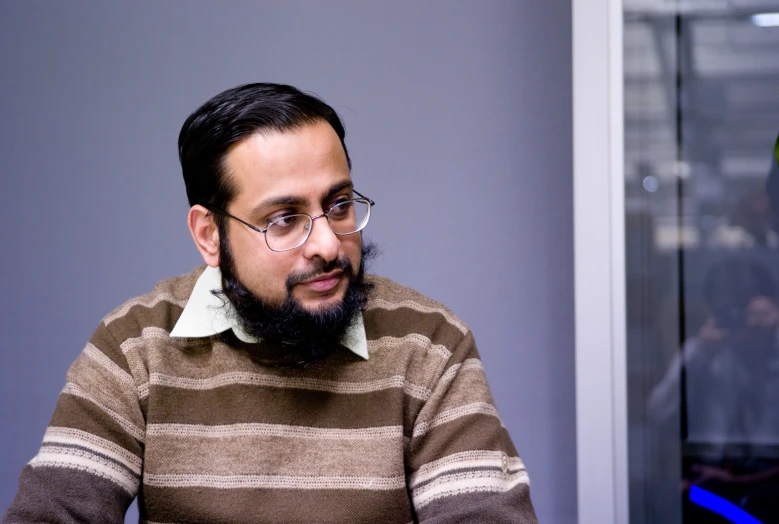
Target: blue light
(721,506)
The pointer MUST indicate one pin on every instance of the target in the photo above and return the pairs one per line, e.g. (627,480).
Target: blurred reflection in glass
(731,389)
(702,238)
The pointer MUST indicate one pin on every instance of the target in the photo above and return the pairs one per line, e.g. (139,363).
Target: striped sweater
(202,432)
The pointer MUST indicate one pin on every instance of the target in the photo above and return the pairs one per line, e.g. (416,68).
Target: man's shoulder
(413,309)
(159,308)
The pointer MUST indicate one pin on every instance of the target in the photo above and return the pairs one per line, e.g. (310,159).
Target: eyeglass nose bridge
(310,226)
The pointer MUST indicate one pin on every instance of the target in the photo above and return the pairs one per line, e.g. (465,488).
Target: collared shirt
(206,315)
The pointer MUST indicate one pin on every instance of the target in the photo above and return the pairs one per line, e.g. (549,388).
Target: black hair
(233,115)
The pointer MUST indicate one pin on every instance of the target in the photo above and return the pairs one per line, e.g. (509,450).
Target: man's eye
(286,222)
(339,200)
(341,209)
(279,213)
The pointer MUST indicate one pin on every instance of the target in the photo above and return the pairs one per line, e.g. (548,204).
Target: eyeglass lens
(290,231)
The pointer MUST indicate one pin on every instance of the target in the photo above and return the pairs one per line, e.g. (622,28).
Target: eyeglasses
(290,231)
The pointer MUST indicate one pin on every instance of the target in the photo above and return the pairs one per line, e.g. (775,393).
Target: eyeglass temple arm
(225,213)
(365,197)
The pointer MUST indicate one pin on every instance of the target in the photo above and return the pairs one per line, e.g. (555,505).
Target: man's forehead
(305,163)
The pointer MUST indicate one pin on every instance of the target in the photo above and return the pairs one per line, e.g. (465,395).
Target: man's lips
(324,282)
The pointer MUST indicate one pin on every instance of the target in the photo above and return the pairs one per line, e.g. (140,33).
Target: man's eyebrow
(287,200)
(337,188)
(278,201)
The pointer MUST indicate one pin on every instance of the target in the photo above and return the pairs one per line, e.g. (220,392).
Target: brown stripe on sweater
(139,307)
(464,350)
(275,455)
(420,364)
(154,351)
(246,506)
(105,389)
(391,290)
(394,293)
(460,435)
(103,340)
(77,413)
(238,404)
(133,429)
(117,373)
(162,315)
(462,384)
(276,407)
(44,492)
(394,323)
(389,356)
(154,346)
(448,316)
(512,506)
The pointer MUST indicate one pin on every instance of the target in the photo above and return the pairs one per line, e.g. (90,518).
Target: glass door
(701,204)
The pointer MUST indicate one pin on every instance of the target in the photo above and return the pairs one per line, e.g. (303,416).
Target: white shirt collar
(206,314)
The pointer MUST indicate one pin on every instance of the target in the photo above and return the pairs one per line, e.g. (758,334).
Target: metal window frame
(599,262)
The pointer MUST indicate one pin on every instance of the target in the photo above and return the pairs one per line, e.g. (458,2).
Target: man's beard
(303,335)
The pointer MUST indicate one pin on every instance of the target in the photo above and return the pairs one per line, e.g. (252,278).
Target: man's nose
(322,241)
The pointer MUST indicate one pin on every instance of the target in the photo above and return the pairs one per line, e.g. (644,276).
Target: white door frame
(599,262)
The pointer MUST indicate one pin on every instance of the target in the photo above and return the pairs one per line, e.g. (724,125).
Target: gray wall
(458,117)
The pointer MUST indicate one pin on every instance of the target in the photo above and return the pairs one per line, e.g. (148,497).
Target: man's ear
(204,233)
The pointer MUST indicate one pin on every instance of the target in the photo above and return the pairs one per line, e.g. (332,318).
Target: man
(278,383)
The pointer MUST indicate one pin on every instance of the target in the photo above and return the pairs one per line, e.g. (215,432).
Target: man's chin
(321,304)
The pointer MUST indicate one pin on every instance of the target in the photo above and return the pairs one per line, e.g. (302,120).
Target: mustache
(321,267)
